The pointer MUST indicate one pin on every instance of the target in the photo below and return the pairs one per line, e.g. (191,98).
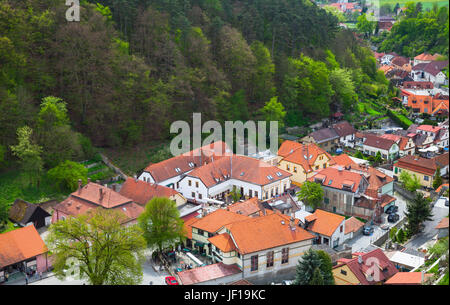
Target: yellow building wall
(300,176)
(421,176)
(341,279)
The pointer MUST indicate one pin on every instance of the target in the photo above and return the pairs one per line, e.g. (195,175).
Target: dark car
(368,231)
(393,217)
(392,209)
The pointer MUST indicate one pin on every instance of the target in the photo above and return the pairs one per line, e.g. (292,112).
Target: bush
(66,175)
(401,236)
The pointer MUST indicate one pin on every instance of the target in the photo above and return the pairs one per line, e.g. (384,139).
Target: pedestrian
(40,275)
(26,279)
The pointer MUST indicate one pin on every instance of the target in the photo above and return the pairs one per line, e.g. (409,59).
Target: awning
(199,244)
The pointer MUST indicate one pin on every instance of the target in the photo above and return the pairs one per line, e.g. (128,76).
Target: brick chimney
(80,184)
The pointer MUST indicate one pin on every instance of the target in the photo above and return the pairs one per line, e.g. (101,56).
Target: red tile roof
(266,232)
(378,142)
(344,128)
(142,192)
(443,224)
(352,225)
(335,178)
(372,262)
(407,278)
(323,222)
(417,164)
(429,128)
(242,168)
(223,242)
(295,152)
(19,245)
(207,273)
(216,220)
(100,195)
(344,160)
(248,207)
(426,57)
(167,169)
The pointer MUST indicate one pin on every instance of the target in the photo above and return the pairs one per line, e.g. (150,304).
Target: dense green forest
(131,67)
(417,31)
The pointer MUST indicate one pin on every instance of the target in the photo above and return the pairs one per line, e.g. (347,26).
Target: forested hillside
(131,67)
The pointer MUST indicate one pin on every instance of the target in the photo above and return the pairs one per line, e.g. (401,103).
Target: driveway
(429,232)
(361,242)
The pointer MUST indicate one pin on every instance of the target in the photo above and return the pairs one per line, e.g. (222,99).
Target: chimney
(292,222)
(100,190)
(79,186)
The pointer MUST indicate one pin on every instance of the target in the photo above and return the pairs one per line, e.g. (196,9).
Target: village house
(251,207)
(92,196)
(22,250)
(302,160)
(442,228)
(440,135)
(425,58)
(214,274)
(342,188)
(262,245)
(406,145)
(169,172)
(418,85)
(431,72)
(372,268)
(248,176)
(329,228)
(325,138)
(353,228)
(387,58)
(25,214)
(372,144)
(142,192)
(423,168)
(401,63)
(346,133)
(425,101)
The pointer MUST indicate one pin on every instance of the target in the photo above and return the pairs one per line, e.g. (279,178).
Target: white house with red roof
(251,177)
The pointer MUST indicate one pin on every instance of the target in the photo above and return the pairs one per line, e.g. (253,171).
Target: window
(256,193)
(269,259)
(196,183)
(341,229)
(193,195)
(426,178)
(177,169)
(254,263)
(279,174)
(288,167)
(189,182)
(317,167)
(250,193)
(199,196)
(295,169)
(210,234)
(200,232)
(321,157)
(276,191)
(284,255)
(178,185)
(191,164)
(343,272)
(324,165)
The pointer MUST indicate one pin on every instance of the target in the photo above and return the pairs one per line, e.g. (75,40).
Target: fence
(383,238)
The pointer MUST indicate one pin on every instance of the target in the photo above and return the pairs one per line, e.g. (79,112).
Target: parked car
(287,282)
(368,231)
(171,280)
(385,227)
(392,209)
(393,217)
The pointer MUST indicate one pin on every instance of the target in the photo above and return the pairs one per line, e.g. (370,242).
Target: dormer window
(191,164)
(177,169)
(269,177)
(279,174)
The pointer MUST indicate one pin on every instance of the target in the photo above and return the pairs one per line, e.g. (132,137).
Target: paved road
(429,232)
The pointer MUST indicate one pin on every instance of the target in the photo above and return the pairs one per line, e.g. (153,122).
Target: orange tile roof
(344,160)
(417,164)
(242,168)
(442,186)
(187,226)
(323,222)
(426,57)
(265,232)
(407,278)
(223,241)
(246,208)
(142,192)
(443,224)
(167,169)
(207,273)
(91,193)
(19,245)
(216,220)
(295,152)
(334,177)
(352,225)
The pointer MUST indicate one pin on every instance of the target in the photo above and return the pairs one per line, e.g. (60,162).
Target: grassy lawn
(426,3)
(14,184)
(369,109)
